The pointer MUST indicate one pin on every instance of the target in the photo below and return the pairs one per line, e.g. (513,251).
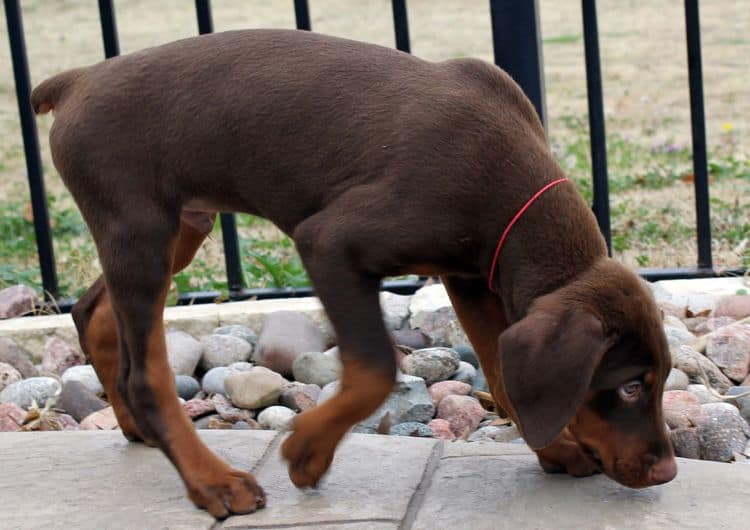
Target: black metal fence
(517,49)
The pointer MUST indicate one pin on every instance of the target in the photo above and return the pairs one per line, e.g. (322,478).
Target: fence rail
(517,49)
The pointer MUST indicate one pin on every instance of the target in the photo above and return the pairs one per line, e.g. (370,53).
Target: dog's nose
(663,471)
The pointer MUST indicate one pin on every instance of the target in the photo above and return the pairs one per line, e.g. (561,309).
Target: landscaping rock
(187,387)
(395,309)
(12,354)
(223,350)
(213,381)
(681,409)
(467,354)
(197,408)
(65,422)
(276,418)
(411,338)
(11,417)
(441,326)
(480,383)
(735,306)
(183,352)
(86,375)
(690,361)
(722,431)
(300,396)
(678,335)
(241,366)
(34,389)
(493,433)
(712,324)
(103,420)
(239,331)
(58,356)
(431,364)
(448,388)
(743,402)
(229,412)
(203,423)
(729,349)
(18,300)
(255,388)
(462,412)
(219,423)
(285,336)
(412,428)
(442,429)
(686,442)
(703,394)
(78,401)
(465,373)
(8,375)
(677,380)
(246,426)
(317,368)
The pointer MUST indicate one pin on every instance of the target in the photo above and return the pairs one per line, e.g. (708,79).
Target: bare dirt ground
(643,61)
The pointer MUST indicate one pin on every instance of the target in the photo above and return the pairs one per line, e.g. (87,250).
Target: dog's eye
(630,390)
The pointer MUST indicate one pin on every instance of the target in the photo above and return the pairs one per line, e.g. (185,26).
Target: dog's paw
(229,493)
(309,450)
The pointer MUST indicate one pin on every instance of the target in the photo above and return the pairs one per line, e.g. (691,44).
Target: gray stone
(409,401)
(241,366)
(743,402)
(703,394)
(441,326)
(480,383)
(17,357)
(255,389)
(86,375)
(729,349)
(722,431)
(677,380)
(431,364)
(239,331)
(285,336)
(395,309)
(8,375)
(223,350)
(467,354)
(492,433)
(276,418)
(686,442)
(213,380)
(299,396)
(411,338)
(78,401)
(465,373)
(183,352)
(187,387)
(412,428)
(317,368)
(34,389)
(58,356)
(694,365)
(202,424)
(678,336)
(18,300)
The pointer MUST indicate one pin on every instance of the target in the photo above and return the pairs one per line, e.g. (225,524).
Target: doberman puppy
(377,164)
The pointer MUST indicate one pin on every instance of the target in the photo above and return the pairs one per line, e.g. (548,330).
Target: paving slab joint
(417,499)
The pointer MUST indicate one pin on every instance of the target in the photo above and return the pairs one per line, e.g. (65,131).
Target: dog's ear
(548,359)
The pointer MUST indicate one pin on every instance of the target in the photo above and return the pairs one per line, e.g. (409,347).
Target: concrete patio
(97,480)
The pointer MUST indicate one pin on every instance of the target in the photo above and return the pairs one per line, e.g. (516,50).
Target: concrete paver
(93,480)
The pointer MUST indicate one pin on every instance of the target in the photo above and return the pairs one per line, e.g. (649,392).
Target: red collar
(513,221)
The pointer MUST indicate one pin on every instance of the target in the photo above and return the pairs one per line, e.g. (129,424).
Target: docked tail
(45,97)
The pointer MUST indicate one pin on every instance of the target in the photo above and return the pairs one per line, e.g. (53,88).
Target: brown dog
(377,164)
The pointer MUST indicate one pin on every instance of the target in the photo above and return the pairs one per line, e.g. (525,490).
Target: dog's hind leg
(97,327)
(333,254)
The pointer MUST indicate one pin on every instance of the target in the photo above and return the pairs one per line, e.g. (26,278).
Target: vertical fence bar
(698,126)
(232,258)
(401,25)
(516,41)
(302,14)
(597,131)
(109,28)
(30,135)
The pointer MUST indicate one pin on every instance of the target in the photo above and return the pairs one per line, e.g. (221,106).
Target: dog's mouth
(594,456)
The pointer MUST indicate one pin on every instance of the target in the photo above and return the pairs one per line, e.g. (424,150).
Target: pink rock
(299,396)
(8,375)
(462,412)
(195,408)
(102,420)
(229,412)
(285,336)
(729,349)
(59,356)
(66,421)
(681,409)
(11,416)
(712,324)
(736,306)
(442,429)
(442,389)
(17,300)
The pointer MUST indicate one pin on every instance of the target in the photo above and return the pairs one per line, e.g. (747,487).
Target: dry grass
(643,57)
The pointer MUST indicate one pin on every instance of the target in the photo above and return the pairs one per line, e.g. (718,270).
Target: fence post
(302,15)
(109,28)
(401,25)
(31,150)
(516,41)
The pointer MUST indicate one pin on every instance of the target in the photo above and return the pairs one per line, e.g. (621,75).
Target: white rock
(84,374)
(276,417)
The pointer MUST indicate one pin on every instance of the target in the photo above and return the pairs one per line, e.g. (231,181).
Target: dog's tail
(45,96)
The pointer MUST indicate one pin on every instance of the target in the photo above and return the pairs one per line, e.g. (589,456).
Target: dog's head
(592,357)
